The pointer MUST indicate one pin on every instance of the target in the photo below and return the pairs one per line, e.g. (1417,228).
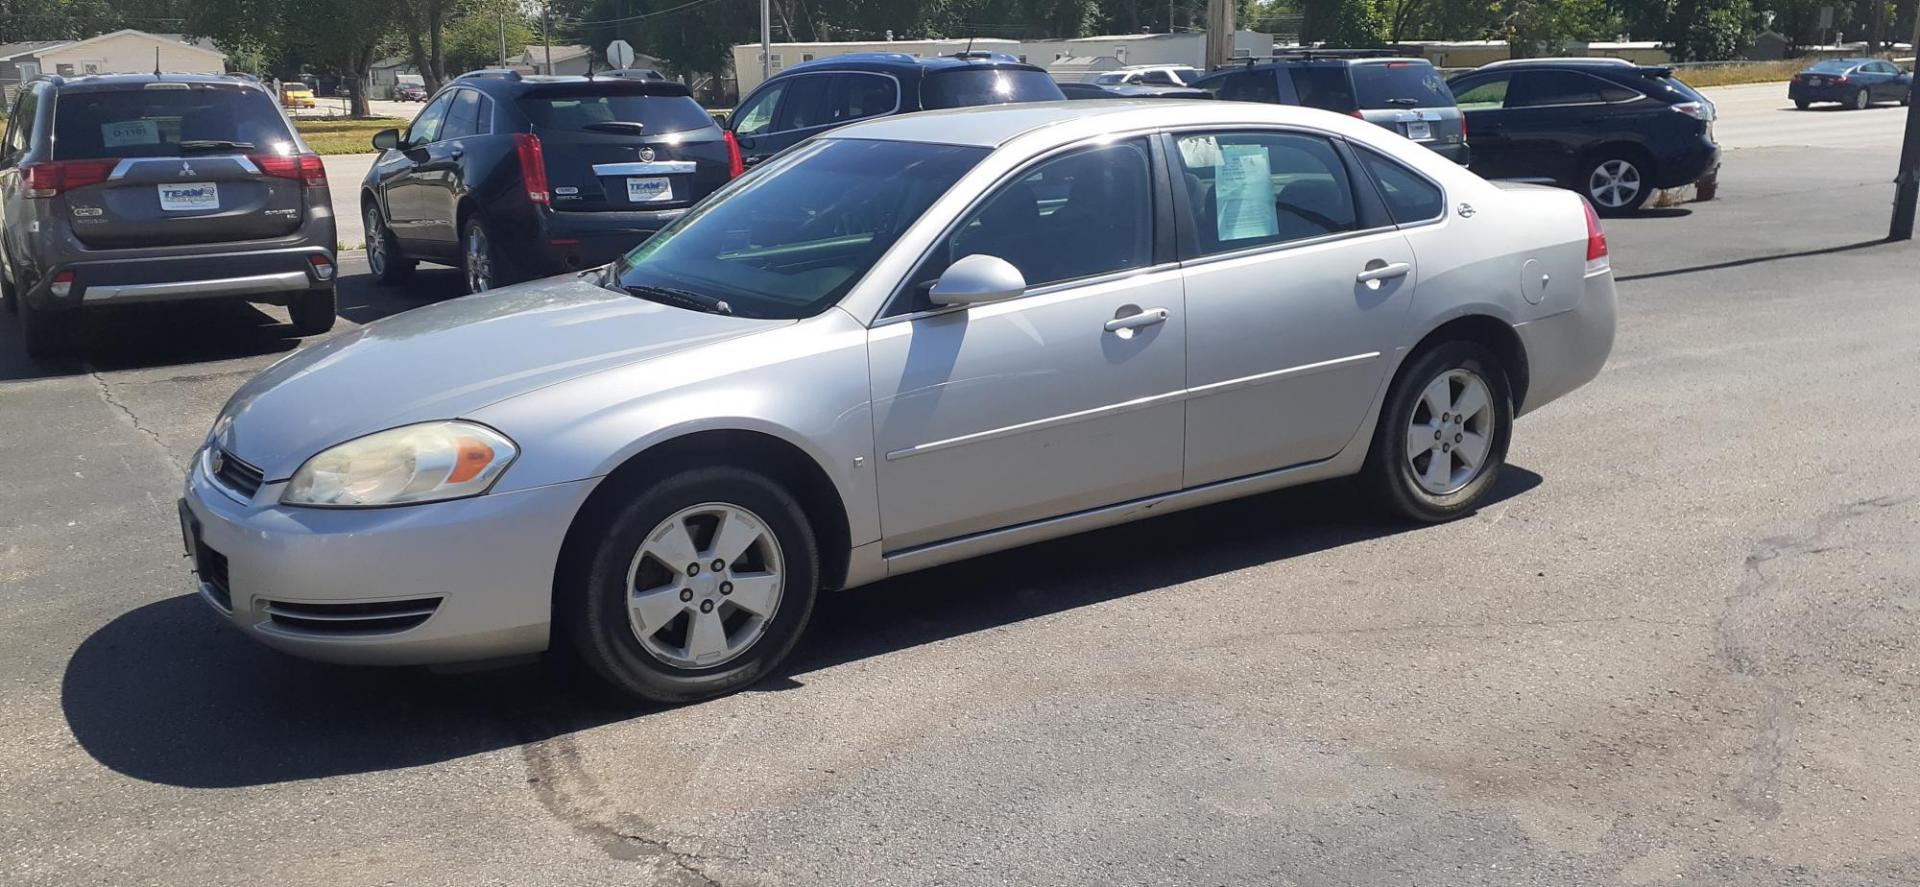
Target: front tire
(384,259)
(1443,433)
(313,312)
(1617,183)
(648,610)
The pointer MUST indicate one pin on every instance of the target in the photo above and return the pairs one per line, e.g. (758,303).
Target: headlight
(413,463)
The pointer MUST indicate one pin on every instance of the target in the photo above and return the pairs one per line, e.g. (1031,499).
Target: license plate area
(649,189)
(189,197)
(1420,130)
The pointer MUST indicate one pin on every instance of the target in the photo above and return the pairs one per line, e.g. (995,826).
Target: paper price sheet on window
(1242,187)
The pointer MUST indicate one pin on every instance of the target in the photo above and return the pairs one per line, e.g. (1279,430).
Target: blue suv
(813,97)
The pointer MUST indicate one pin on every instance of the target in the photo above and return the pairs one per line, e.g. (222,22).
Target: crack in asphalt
(1758,791)
(105,391)
(562,785)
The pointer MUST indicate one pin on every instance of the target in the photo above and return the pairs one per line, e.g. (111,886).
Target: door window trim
(1369,210)
(1163,258)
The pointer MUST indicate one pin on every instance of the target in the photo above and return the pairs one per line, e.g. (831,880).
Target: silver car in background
(902,343)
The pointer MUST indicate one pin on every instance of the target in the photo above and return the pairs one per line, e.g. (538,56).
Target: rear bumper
(1566,350)
(1458,152)
(586,239)
(1699,160)
(271,275)
(1801,92)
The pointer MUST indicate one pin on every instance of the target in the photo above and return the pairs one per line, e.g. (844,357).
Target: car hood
(447,360)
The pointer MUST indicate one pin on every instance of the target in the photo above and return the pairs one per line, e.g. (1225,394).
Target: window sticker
(1200,152)
(1243,194)
(129,132)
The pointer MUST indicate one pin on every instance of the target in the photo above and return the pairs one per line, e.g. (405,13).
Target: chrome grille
(234,474)
(385,617)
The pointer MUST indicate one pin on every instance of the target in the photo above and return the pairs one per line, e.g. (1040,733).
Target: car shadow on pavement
(167,693)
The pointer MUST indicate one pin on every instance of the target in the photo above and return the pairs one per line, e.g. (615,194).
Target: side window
(1251,86)
(1082,214)
(484,125)
(1410,198)
(463,117)
(1614,92)
(853,96)
(20,132)
(1478,95)
(756,116)
(426,127)
(1158,78)
(805,105)
(1257,189)
(1540,88)
(1323,86)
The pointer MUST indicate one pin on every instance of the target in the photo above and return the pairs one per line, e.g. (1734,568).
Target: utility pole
(1169,16)
(766,40)
(503,36)
(546,12)
(1219,33)
(1907,191)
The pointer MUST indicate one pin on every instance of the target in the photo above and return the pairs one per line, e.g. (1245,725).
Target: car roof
(514,83)
(990,126)
(113,81)
(894,61)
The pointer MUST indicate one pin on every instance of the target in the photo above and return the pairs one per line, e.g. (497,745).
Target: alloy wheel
(376,242)
(704,585)
(1861,100)
(1614,184)
(1450,432)
(479,261)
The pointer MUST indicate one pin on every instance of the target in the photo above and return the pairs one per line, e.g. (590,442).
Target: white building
(1141,49)
(746,56)
(119,52)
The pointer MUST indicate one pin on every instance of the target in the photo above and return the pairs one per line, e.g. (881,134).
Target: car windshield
(962,87)
(580,110)
(789,240)
(155,119)
(1400,84)
(1832,66)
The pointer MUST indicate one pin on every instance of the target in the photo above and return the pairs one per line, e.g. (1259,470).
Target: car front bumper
(457,581)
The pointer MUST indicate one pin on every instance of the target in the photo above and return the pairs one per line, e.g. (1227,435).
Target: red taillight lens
(62,284)
(735,165)
(1356,115)
(49,179)
(322,266)
(533,167)
(303,168)
(1463,126)
(1596,238)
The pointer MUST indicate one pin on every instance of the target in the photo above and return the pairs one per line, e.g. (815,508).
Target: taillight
(303,168)
(1356,115)
(735,165)
(50,178)
(62,284)
(1597,259)
(1463,126)
(322,266)
(533,167)
(1697,110)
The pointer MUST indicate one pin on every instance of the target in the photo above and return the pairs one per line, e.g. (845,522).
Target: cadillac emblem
(646,155)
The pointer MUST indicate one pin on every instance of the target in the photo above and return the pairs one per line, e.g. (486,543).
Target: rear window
(1832,66)
(1400,85)
(987,86)
(658,113)
(1324,86)
(154,120)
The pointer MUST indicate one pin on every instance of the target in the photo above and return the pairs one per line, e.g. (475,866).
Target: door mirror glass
(386,139)
(978,279)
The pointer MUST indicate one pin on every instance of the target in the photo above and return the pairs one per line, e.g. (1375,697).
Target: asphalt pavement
(1678,644)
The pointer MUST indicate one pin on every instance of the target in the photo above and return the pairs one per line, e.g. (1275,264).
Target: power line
(646,15)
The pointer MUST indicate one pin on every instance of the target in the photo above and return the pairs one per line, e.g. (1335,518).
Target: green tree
(473,40)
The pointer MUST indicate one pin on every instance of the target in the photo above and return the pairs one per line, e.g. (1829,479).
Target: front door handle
(1137,320)
(1377,273)
(455,151)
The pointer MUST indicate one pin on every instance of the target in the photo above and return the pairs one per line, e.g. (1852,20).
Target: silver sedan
(897,345)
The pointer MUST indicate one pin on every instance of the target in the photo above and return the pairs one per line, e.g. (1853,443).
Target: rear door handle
(1135,321)
(1384,272)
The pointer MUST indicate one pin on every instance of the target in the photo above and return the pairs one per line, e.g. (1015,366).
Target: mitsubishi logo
(186,169)
(216,461)
(646,155)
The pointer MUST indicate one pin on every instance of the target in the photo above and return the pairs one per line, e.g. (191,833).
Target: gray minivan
(1405,95)
(124,188)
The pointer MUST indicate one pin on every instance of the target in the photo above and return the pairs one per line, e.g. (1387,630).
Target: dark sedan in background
(1853,83)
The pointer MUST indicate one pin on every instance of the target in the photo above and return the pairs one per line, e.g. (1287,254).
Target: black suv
(1405,95)
(124,188)
(511,177)
(1607,128)
(813,97)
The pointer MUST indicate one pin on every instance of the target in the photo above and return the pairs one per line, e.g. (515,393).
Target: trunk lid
(191,163)
(622,145)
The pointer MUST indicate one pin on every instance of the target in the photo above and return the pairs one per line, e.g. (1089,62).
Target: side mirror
(976,280)
(386,139)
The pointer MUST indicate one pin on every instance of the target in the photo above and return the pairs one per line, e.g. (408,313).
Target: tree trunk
(417,48)
(361,60)
(436,21)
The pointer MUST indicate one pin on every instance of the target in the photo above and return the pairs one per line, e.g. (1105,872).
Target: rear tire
(1862,99)
(1801,104)
(481,262)
(384,259)
(313,312)
(48,333)
(618,563)
(1459,460)
(9,294)
(1616,182)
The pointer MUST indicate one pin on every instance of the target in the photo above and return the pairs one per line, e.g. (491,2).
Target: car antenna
(965,53)
(156,63)
(589,66)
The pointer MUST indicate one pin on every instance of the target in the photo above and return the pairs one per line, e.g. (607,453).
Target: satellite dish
(620,54)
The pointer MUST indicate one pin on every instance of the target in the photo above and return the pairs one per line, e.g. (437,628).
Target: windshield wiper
(680,298)
(618,126)
(214,145)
